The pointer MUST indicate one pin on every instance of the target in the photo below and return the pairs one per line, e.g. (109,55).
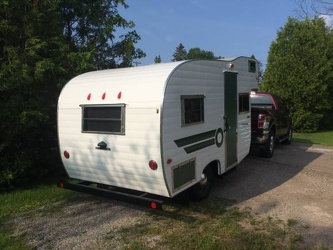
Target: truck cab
(270,122)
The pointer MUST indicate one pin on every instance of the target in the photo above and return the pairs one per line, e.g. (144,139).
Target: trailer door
(230,118)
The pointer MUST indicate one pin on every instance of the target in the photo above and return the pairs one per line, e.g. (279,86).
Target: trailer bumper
(120,194)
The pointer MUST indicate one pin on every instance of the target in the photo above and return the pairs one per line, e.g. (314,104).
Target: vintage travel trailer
(159,129)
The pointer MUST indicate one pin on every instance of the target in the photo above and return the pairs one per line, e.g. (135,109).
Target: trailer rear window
(252,66)
(192,109)
(103,119)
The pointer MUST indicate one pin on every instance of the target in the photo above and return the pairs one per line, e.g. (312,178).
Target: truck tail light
(261,120)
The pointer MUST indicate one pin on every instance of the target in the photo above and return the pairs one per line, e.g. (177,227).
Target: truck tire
(289,138)
(268,150)
(201,190)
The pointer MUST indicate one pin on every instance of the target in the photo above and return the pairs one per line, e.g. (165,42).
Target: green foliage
(158,59)
(43,44)
(89,27)
(300,70)
(194,53)
(197,53)
(180,53)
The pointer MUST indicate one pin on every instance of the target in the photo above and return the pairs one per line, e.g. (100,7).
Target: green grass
(31,198)
(24,200)
(211,224)
(322,138)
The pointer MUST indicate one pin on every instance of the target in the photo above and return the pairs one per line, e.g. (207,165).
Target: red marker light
(119,95)
(89,96)
(153,165)
(66,154)
(103,96)
(153,205)
(231,66)
(169,161)
(61,185)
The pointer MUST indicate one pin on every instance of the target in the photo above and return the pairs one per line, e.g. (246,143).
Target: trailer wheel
(201,190)
(268,149)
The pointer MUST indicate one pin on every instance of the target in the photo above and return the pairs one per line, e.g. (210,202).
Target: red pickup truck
(270,122)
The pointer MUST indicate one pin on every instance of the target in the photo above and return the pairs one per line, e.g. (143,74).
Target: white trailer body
(157,128)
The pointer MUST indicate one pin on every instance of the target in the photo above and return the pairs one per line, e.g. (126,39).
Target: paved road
(296,183)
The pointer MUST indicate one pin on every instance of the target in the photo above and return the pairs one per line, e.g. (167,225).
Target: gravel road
(297,184)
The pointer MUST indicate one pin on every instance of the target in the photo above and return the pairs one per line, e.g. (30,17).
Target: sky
(227,28)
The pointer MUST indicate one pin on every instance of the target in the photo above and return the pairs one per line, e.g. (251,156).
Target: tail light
(153,165)
(153,205)
(261,120)
(66,154)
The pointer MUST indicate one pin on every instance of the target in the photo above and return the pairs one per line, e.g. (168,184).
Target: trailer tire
(268,149)
(202,189)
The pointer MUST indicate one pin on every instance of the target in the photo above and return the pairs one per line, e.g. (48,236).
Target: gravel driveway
(297,184)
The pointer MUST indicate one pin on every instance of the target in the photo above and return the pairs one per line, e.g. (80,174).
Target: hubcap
(271,144)
(203,179)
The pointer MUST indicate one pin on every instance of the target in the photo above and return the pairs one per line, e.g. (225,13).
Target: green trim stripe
(199,141)
(199,146)
(195,138)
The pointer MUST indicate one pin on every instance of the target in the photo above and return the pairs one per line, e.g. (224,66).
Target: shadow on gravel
(256,175)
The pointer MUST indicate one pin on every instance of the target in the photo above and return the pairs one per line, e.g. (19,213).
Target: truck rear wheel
(268,149)
(201,190)
(290,136)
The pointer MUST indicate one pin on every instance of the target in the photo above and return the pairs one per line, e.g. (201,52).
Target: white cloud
(328,20)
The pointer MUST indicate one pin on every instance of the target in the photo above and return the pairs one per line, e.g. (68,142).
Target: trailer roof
(134,84)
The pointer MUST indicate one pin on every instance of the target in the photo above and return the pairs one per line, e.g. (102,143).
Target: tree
(158,59)
(89,27)
(299,69)
(43,44)
(197,53)
(306,8)
(180,53)
(194,53)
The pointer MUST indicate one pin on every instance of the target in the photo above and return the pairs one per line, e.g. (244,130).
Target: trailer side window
(192,109)
(103,119)
(252,66)
(244,103)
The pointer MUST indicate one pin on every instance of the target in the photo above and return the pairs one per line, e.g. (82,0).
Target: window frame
(120,119)
(201,120)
